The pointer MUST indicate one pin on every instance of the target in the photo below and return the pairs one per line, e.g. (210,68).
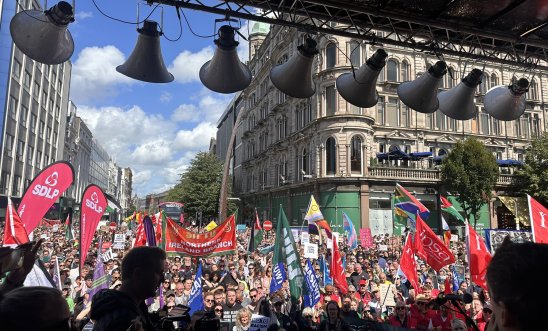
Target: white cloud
(186,66)
(94,75)
(196,139)
(166,97)
(82,15)
(209,108)
(186,113)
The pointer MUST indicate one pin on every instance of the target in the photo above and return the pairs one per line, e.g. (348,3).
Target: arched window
(405,69)
(355,53)
(330,55)
(391,71)
(532,93)
(356,155)
(330,100)
(330,156)
(483,87)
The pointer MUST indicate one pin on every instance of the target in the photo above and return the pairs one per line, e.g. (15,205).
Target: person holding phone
(17,263)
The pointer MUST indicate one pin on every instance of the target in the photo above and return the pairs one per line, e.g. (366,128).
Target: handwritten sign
(259,323)
(387,295)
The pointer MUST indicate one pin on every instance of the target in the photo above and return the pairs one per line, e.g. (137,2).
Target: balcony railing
(394,173)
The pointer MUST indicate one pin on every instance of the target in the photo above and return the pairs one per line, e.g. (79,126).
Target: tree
(533,177)
(470,171)
(200,186)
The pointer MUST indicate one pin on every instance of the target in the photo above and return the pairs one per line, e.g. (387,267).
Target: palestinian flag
(448,207)
(256,234)
(69,231)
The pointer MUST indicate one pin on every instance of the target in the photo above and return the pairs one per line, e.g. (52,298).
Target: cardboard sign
(387,295)
(311,251)
(383,248)
(259,323)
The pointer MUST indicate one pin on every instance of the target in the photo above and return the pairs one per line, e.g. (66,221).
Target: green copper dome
(259,28)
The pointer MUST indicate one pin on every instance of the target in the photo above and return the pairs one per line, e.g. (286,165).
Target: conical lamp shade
(43,36)
(421,94)
(146,62)
(458,102)
(225,73)
(506,103)
(294,77)
(361,90)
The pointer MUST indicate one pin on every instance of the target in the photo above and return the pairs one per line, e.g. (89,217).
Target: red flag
(430,248)
(140,237)
(257,222)
(479,257)
(447,286)
(157,222)
(94,203)
(337,270)
(539,221)
(408,265)
(42,193)
(14,230)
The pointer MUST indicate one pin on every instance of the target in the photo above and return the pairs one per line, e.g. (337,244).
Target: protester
(243,320)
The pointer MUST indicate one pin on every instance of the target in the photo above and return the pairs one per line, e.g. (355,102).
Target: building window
(30,152)
(532,93)
(484,121)
(48,134)
(42,128)
(305,168)
(483,86)
(440,120)
(392,112)
(330,55)
(405,117)
(391,71)
(27,80)
(13,108)
(9,144)
(380,111)
(16,69)
(330,100)
(405,69)
(38,159)
(23,115)
(16,184)
(354,49)
(494,80)
(330,156)
(4,182)
(535,130)
(33,123)
(36,90)
(356,155)
(20,150)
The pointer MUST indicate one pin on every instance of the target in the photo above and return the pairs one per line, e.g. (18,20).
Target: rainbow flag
(351,231)
(315,218)
(406,203)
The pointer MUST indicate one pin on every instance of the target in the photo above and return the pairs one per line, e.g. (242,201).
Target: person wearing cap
(363,292)
(400,318)
(282,319)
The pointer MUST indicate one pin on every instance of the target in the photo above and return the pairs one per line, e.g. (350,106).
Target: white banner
(305,238)
(259,323)
(380,221)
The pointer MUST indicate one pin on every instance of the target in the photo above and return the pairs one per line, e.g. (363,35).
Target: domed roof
(259,28)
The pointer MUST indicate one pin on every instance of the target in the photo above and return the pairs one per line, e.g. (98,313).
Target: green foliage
(200,186)
(470,171)
(533,177)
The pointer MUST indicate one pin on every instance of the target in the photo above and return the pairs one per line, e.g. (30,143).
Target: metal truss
(360,20)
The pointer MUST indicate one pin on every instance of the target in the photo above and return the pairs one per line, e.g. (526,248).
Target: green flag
(285,251)
(399,218)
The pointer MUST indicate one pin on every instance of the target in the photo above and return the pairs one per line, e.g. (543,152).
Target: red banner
(430,248)
(219,241)
(337,269)
(539,221)
(14,230)
(43,191)
(408,265)
(92,207)
(479,257)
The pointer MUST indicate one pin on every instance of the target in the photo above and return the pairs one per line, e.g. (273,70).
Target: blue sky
(156,129)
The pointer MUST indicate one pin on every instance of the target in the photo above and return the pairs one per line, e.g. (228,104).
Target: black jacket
(114,311)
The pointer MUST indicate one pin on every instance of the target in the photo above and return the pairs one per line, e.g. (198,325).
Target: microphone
(443,298)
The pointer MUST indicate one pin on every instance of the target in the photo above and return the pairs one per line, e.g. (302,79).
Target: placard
(55,227)
(311,251)
(387,295)
(259,323)
(305,238)
(241,227)
(366,238)
(454,237)
(383,248)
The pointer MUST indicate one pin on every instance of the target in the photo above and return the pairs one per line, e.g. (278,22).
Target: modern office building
(99,165)
(34,106)
(287,149)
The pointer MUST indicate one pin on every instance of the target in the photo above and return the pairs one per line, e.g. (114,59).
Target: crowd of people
(148,290)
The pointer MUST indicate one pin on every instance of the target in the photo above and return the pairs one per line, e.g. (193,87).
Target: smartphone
(14,259)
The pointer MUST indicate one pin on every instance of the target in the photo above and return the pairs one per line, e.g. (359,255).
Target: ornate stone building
(287,149)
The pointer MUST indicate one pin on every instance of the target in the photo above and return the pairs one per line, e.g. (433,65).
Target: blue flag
(325,270)
(351,231)
(456,281)
(312,296)
(278,277)
(196,300)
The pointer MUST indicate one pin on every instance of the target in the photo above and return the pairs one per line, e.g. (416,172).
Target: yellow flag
(313,214)
(212,225)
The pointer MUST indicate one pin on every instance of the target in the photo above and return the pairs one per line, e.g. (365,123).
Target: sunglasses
(253,296)
(218,310)
(209,300)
